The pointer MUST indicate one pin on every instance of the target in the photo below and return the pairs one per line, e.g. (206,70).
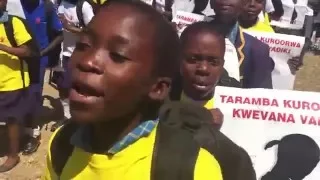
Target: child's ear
(160,90)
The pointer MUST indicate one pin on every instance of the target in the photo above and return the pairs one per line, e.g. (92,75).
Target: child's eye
(192,59)
(214,61)
(118,58)
(80,46)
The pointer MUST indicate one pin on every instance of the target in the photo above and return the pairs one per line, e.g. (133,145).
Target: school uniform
(14,76)
(256,65)
(263,24)
(37,21)
(209,104)
(128,159)
(69,10)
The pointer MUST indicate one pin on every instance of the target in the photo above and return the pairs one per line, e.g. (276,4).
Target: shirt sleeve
(207,167)
(87,12)
(21,34)
(56,23)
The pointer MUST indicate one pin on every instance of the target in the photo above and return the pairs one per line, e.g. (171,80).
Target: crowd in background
(37,35)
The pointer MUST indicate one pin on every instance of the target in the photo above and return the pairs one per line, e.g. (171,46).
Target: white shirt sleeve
(87,12)
(14,7)
(269,6)
(61,8)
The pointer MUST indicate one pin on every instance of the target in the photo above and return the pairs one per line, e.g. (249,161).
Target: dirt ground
(32,167)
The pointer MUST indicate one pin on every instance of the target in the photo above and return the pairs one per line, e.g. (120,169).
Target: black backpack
(32,62)
(183,128)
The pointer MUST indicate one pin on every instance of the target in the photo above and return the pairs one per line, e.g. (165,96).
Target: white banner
(278,128)
(302,10)
(183,19)
(282,48)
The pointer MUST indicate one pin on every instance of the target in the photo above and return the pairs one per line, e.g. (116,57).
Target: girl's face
(202,65)
(112,66)
(252,9)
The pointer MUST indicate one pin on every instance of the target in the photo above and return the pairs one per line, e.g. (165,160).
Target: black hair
(202,26)
(167,43)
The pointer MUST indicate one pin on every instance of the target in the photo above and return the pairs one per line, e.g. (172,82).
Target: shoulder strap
(10,32)
(79,6)
(175,154)
(60,148)
(10,35)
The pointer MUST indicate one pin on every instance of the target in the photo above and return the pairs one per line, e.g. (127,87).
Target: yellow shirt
(101,1)
(132,163)
(10,68)
(260,26)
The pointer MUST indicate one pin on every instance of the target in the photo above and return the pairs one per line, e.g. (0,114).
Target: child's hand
(217,117)
(2,47)
(65,23)
(294,64)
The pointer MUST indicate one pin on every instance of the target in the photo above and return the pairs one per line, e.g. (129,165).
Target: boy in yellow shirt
(121,74)
(201,68)
(249,18)
(14,80)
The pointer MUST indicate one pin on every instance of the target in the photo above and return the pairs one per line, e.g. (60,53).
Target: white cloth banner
(282,48)
(302,10)
(278,128)
(183,19)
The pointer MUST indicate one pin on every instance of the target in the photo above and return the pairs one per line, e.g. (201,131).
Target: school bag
(32,62)
(183,129)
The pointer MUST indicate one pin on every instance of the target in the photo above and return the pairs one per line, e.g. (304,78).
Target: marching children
(121,74)
(15,46)
(68,14)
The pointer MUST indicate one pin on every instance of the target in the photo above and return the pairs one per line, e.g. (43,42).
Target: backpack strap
(79,7)
(8,26)
(175,151)
(60,148)
(175,155)
(10,32)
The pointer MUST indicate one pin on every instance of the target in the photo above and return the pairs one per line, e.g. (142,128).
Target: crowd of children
(124,70)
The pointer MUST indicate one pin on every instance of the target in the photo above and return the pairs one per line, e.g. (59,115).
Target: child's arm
(21,51)
(22,38)
(217,117)
(68,26)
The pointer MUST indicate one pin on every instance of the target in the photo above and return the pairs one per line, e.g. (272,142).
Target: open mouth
(201,86)
(225,7)
(251,12)
(83,93)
